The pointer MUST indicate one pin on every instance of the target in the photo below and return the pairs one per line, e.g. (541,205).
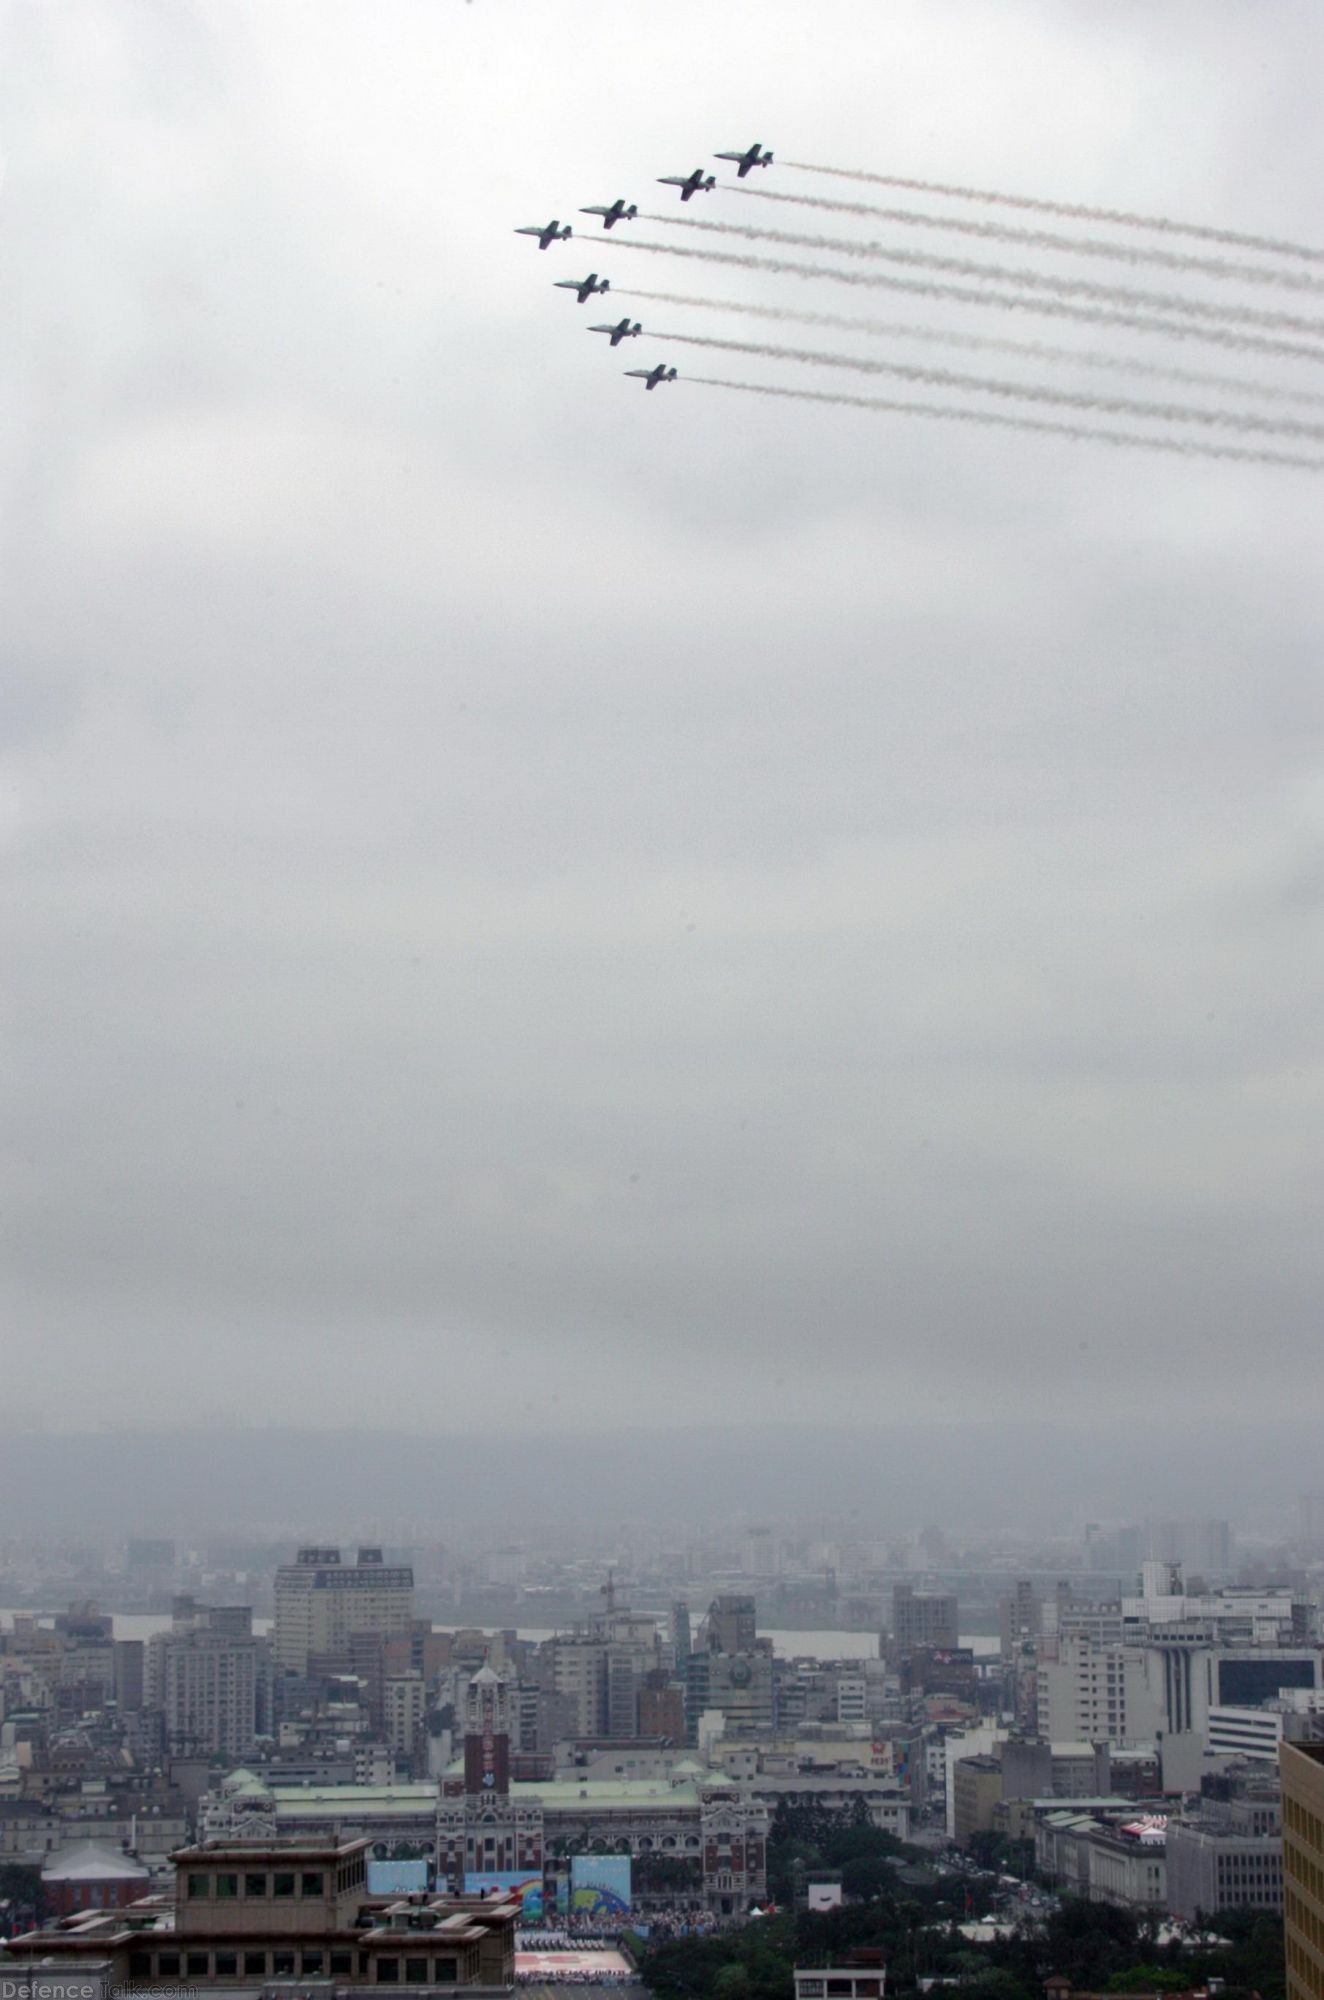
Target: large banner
(492,1880)
(397,1878)
(600,1885)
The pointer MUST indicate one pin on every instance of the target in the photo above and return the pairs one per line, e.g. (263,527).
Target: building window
(227,1885)
(416,1972)
(199,1885)
(197,1964)
(227,1965)
(255,1965)
(167,1965)
(312,1964)
(388,1972)
(311,1884)
(282,1965)
(342,1964)
(282,1885)
(255,1885)
(140,1965)
(443,1973)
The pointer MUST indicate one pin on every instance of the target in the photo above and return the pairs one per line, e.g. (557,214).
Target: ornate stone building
(481,1829)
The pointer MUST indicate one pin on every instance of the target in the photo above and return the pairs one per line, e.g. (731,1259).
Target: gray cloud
(700,907)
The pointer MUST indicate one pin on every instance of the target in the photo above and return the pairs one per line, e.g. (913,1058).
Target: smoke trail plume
(1033,350)
(1077,212)
(1008,274)
(1063,399)
(1213,336)
(1047,239)
(955,413)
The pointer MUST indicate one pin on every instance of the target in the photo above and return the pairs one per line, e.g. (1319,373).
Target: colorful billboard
(600,1885)
(397,1878)
(493,1881)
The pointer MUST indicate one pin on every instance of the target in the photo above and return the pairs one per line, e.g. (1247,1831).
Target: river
(828,1645)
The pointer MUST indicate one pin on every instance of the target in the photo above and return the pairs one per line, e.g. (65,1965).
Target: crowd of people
(561,1937)
(580,1975)
(695,1921)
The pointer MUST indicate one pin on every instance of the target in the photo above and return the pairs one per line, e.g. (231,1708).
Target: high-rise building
(731,1625)
(1302,1769)
(923,1618)
(404,1701)
(1203,1547)
(321,1601)
(760,1556)
(209,1677)
(662,1706)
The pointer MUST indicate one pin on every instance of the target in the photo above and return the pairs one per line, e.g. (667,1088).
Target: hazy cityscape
(542,1761)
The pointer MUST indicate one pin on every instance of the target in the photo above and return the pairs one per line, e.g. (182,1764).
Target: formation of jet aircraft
(753,156)
(549,233)
(618,212)
(624,329)
(689,184)
(583,288)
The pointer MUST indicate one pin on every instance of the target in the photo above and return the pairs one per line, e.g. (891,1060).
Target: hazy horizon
(1037,1478)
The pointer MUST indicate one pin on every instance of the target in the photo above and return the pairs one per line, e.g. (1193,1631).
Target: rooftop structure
(246,1914)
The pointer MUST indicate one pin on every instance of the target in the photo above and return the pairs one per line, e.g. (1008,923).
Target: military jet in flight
(618,212)
(754,157)
(552,232)
(696,183)
(623,330)
(650,377)
(583,288)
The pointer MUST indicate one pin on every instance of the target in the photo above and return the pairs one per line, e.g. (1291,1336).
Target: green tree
(21,1888)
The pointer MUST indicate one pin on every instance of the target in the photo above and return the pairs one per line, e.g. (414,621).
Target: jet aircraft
(696,183)
(753,157)
(618,212)
(583,288)
(553,232)
(650,377)
(623,330)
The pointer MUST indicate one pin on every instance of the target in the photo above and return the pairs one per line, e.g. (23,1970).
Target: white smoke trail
(1209,335)
(1235,239)
(1047,239)
(976,343)
(1064,399)
(955,413)
(1008,274)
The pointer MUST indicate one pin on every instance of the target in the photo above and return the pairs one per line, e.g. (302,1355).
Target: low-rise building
(1227,1856)
(1116,1860)
(247,1914)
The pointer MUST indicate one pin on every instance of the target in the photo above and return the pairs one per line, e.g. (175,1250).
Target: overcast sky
(525,892)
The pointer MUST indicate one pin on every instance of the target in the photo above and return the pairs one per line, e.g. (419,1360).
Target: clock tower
(487,1720)
(482,1832)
